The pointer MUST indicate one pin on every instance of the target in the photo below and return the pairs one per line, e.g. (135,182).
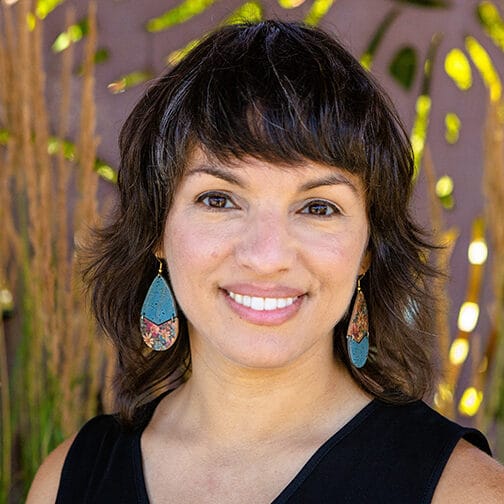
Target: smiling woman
(243,239)
(266,179)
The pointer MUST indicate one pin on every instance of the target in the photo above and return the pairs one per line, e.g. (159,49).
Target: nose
(267,245)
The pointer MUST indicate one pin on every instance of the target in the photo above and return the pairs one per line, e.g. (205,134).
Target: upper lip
(271,291)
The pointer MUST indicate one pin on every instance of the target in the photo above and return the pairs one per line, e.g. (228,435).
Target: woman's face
(263,259)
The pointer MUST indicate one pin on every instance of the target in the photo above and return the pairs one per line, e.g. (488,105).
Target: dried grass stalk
(493,188)
(46,201)
(446,238)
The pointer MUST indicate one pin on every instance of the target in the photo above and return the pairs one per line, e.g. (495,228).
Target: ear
(365,262)
(159,251)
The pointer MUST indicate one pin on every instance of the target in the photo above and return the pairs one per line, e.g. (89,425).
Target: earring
(158,320)
(358,330)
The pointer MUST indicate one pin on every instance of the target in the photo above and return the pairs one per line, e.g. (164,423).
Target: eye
(216,200)
(320,209)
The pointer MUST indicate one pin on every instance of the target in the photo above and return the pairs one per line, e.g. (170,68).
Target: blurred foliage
(249,11)
(317,11)
(367,58)
(458,68)
(45,7)
(179,14)
(403,67)
(410,73)
(492,22)
(72,34)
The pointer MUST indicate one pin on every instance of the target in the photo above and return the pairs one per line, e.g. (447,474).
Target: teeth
(260,303)
(270,303)
(257,303)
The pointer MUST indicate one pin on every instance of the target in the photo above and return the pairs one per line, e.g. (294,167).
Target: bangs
(280,96)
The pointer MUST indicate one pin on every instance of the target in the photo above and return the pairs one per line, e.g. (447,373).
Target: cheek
(342,250)
(190,249)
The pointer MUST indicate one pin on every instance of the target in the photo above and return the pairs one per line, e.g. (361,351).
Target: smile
(261,303)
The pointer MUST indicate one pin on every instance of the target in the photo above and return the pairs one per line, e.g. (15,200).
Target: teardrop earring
(358,330)
(158,319)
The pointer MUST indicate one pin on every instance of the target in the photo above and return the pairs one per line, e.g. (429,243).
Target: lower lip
(264,317)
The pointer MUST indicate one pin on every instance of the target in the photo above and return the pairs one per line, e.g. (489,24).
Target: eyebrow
(217,172)
(333,179)
(226,175)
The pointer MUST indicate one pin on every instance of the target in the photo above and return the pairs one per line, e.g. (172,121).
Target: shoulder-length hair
(280,92)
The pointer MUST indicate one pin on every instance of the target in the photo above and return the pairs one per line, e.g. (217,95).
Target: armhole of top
(473,436)
(79,460)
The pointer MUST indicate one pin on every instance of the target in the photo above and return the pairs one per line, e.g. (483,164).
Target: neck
(233,405)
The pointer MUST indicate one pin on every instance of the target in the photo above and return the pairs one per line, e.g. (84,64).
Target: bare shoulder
(45,484)
(470,476)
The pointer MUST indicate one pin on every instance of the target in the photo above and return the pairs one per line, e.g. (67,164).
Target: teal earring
(358,330)
(158,319)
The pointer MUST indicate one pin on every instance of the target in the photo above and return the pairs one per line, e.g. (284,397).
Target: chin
(263,356)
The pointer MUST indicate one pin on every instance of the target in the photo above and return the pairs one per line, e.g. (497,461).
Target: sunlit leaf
(44,7)
(368,56)
(419,132)
(452,127)
(290,4)
(179,14)
(72,34)
(458,69)
(492,22)
(423,106)
(105,171)
(485,66)
(403,66)
(250,11)
(179,54)
(129,80)
(318,11)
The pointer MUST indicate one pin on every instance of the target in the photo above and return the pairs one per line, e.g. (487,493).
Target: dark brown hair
(280,92)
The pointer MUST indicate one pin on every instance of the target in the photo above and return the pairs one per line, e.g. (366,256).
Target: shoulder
(470,476)
(78,448)
(46,482)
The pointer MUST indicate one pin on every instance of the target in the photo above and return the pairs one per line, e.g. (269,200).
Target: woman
(267,177)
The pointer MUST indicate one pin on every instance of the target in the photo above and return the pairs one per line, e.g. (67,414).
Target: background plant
(55,379)
(54,366)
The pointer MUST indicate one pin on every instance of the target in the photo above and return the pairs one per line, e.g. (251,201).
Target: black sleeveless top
(386,454)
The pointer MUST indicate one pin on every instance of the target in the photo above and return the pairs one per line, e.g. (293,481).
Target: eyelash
(334,210)
(229,204)
(207,196)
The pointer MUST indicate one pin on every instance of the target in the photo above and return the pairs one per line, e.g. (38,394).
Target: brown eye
(320,209)
(216,200)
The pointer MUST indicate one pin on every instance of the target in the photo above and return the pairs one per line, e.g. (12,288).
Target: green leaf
(403,67)
(368,55)
(44,7)
(72,34)
(179,14)
(101,55)
(249,11)
(317,11)
(491,20)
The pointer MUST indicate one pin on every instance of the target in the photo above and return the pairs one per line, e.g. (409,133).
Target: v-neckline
(292,486)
